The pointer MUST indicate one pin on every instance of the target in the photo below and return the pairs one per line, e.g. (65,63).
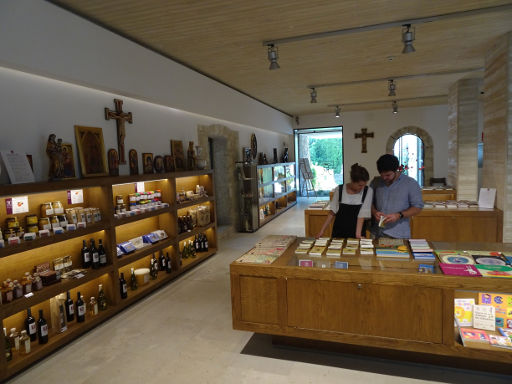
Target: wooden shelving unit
(98,192)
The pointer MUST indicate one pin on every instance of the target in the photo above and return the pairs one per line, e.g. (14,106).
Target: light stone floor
(183,334)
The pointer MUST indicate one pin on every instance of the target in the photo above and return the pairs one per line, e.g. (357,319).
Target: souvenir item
(147,162)
(159,164)
(120,117)
(178,155)
(168,163)
(113,162)
(134,162)
(191,156)
(91,150)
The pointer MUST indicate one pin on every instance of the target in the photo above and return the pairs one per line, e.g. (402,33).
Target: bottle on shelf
(86,256)
(102,299)
(95,256)
(102,254)
(123,286)
(70,308)
(30,326)
(42,328)
(162,263)
(205,243)
(62,319)
(24,343)
(168,263)
(153,268)
(80,309)
(93,306)
(15,339)
(8,347)
(133,280)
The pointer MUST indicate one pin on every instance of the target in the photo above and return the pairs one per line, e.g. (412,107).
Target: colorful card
(489,260)
(495,270)
(457,259)
(470,334)
(459,269)
(305,263)
(426,268)
(341,264)
(464,312)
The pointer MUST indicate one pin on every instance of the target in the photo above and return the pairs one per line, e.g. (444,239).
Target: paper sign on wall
(139,187)
(486,197)
(18,167)
(76,196)
(16,205)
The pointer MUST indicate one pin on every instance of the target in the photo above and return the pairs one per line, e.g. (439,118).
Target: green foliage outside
(326,152)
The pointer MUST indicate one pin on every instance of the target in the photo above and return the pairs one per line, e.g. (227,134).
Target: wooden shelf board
(195,231)
(51,186)
(56,340)
(145,215)
(127,179)
(142,291)
(201,172)
(130,258)
(50,291)
(191,262)
(53,239)
(278,212)
(194,202)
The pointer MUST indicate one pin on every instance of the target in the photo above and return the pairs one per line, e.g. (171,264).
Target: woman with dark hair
(350,205)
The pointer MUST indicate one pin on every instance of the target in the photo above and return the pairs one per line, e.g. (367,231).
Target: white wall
(58,70)
(433,119)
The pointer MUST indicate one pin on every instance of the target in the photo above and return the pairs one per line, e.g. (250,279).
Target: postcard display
(349,292)
(135,218)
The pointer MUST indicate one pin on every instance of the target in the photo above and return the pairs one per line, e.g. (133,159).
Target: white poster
(18,167)
(486,197)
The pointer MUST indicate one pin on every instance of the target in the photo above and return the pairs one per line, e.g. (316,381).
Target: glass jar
(44,223)
(37,283)
(58,264)
(133,199)
(17,289)
(31,220)
(46,209)
(32,229)
(26,282)
(119,199)
(11,222)
(58,209)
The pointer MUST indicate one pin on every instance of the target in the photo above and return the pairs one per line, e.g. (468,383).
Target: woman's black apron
(346,218)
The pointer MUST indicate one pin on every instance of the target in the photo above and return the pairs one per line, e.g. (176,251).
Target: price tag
(139,187)
(76,196)
(15,205)
(79,275)
(29,295)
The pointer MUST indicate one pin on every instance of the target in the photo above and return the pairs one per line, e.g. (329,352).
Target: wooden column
(497,168)
(463,138)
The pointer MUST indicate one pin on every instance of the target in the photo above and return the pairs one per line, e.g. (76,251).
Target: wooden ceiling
(224,39)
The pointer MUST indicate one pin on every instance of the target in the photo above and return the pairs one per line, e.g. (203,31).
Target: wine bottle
(205,246)
(30,326)
(133,280)
(80,309)
(95,256)
(162,262)
(102,299)
(86,256)
(102,254)
(122,286)
(24,343)
(8,347)
(42,328)
(70,308)
(168,263)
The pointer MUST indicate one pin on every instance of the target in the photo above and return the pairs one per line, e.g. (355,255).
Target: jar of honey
(32,228)
(11,222)
(44,223)
(58,209)
(31,220)
(46,209)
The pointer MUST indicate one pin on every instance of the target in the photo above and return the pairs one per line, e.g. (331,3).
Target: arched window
(410,152)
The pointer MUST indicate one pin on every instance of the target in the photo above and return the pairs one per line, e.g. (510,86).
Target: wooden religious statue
(363,135)
(120,118)
(55,153)
(191,156)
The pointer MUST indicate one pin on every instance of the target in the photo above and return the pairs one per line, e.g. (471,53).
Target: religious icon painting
(113,162)
(168,163)
(68,161)
(158,163)
(178,154)
(147,162)
(91,151)
(134,162)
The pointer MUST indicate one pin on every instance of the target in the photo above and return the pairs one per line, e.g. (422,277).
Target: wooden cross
(120,118)
(363,135)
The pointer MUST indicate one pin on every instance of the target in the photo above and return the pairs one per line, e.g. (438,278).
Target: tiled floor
(183,334)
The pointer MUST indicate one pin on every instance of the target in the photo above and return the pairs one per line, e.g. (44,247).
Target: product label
(87,257)
(32,329)
(71,309)
(124,288)
(27,346)
(81,310)
(95,257)
(44,330)
(103,259)
(16,205)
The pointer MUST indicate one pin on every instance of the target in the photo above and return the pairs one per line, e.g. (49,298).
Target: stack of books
(335,247)
(421,250)
(366,247)
(392,248)
(351,247)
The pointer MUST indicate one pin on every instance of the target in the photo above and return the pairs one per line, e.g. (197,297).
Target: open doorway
(410,152)
(323,149)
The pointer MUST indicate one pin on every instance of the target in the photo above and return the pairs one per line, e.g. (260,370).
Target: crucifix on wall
(120,118)
(363,135)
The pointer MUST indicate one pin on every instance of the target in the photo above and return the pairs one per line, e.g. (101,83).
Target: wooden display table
(435,224)
(381,305)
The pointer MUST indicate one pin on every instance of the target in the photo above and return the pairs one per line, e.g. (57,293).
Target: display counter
(431,194)
(436,224)
(381,304)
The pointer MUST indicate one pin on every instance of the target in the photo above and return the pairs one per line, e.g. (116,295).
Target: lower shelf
(56,340)
(190,262)
(277,213)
